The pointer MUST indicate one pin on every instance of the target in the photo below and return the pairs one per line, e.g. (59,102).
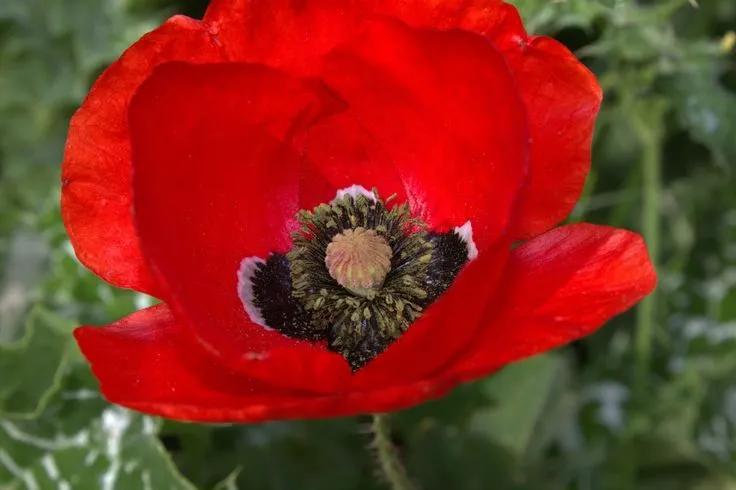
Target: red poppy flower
(324,195)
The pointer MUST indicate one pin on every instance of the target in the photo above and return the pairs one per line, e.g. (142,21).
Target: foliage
(647,403)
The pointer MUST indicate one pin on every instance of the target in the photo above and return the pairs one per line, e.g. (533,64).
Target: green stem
(647,117)
(649,128)
(389,463)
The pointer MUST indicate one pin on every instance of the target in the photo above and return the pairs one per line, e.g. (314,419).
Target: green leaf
(440,459)
(497,432)
(528,397)
(50,52)
(83,443)
(545,16)
(707,110)
(231,482)
(310,455)
(32,367)
(25,264)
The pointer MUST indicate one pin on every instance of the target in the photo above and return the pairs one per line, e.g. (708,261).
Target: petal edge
(561,286)
(96,170)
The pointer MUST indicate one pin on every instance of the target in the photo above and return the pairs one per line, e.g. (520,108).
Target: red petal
(445,329)
(294,35)
(442,110)
(562,98)
(261,408)
(447,125)
(214,184)
(341,153)
(282,33)
(299,366)
(559,287)
(146,357)
(96,173)
(145,362)
(560,95)
(420,354)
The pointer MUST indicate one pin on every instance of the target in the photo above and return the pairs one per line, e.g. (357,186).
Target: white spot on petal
(465,232)
(354,191)
(247,271)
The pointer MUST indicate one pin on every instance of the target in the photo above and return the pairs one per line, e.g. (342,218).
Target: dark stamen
(449,256)
(298,295)
(272,296)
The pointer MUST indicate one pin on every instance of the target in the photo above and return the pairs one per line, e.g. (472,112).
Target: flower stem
(389,463)
(649,128)
(647,117)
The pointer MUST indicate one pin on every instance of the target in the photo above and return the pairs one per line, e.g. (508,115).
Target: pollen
(359,260)
(360,271)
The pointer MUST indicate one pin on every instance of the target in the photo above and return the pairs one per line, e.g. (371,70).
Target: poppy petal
(339,154)
(445,329)
(145,363)
(443,110)
(562,98)
(96,173)
(431,342)
(560,94)
(145,356)
(282,33)
(558,287)
(215,183)
(453,130)
(294,35)
(409,98)
(255,407)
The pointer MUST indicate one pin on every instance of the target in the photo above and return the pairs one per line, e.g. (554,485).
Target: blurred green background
(649,402)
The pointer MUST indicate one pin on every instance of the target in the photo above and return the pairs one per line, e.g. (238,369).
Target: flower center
(359,259)
(358,275)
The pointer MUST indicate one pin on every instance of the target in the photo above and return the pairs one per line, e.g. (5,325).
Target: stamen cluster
(359,324)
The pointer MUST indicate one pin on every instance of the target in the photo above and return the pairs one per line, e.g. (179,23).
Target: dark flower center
(358,274)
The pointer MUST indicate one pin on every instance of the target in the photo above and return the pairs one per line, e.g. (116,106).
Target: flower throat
(360,272)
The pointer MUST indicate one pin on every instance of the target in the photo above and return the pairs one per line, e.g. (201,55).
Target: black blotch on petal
(272,296)
(449,255)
